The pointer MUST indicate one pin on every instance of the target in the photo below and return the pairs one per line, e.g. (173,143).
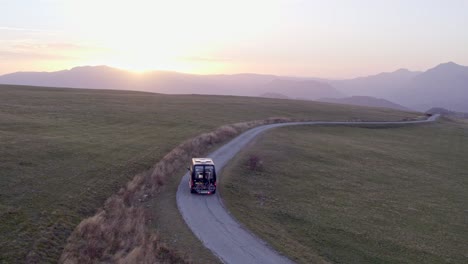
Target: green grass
(64,151)
(356,194)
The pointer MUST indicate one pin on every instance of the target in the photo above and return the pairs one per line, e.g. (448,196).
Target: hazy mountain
(274,96)
(445,112)
(301,89)
(80,77)
(365,101)
(445,85)
(103,77)
(381,85)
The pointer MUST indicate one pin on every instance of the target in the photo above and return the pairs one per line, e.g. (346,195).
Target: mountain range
(104,77)
(445,85)
(365,101)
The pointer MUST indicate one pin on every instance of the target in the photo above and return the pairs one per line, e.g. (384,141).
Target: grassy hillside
(356,195)
(64,151)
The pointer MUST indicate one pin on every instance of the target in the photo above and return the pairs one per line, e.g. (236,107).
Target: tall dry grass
(119,232)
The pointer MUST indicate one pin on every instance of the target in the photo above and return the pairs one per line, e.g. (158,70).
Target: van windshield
(204,172)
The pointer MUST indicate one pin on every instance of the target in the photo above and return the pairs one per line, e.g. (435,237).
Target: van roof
(203,161)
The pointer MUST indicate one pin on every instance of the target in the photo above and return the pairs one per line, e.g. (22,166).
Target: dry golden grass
(362,194)
(64,152)
(119,233)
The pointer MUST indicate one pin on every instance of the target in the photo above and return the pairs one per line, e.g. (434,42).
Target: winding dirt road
(211,222)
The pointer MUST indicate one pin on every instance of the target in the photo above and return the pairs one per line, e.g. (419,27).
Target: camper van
(202,176)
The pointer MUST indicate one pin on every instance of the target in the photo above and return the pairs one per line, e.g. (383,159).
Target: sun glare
(283,37)
(175,35)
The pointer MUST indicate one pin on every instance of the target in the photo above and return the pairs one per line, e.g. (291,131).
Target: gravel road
(211,222)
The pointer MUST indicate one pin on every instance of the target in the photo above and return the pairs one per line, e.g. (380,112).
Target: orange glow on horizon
(327,39)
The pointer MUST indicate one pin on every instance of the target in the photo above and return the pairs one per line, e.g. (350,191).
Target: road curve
(210,221)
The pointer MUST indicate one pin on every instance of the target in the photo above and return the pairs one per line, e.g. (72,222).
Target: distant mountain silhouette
(274,96)
(301,89)
(445,85)
(104,77)
(381,85)
(365,101)
(445,112)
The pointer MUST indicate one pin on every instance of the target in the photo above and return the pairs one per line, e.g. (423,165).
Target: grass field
(64,151)
(356,194)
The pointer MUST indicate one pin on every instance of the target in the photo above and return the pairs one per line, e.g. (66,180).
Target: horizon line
(230,74)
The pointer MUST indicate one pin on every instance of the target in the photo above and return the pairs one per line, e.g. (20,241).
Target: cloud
(56,46)
(13,55)
(20,29)
(34,50)
(205,59)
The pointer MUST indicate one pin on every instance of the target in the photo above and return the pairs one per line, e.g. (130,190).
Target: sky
(329,39)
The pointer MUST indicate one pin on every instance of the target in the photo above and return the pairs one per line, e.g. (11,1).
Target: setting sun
(305,38)
(169,35)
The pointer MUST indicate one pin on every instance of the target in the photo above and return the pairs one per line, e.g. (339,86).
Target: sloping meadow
(64,152)
(118,233)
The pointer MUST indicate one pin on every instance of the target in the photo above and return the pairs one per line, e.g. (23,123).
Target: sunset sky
(333,39)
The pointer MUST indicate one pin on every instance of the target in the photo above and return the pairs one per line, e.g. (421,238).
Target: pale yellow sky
(333,39)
